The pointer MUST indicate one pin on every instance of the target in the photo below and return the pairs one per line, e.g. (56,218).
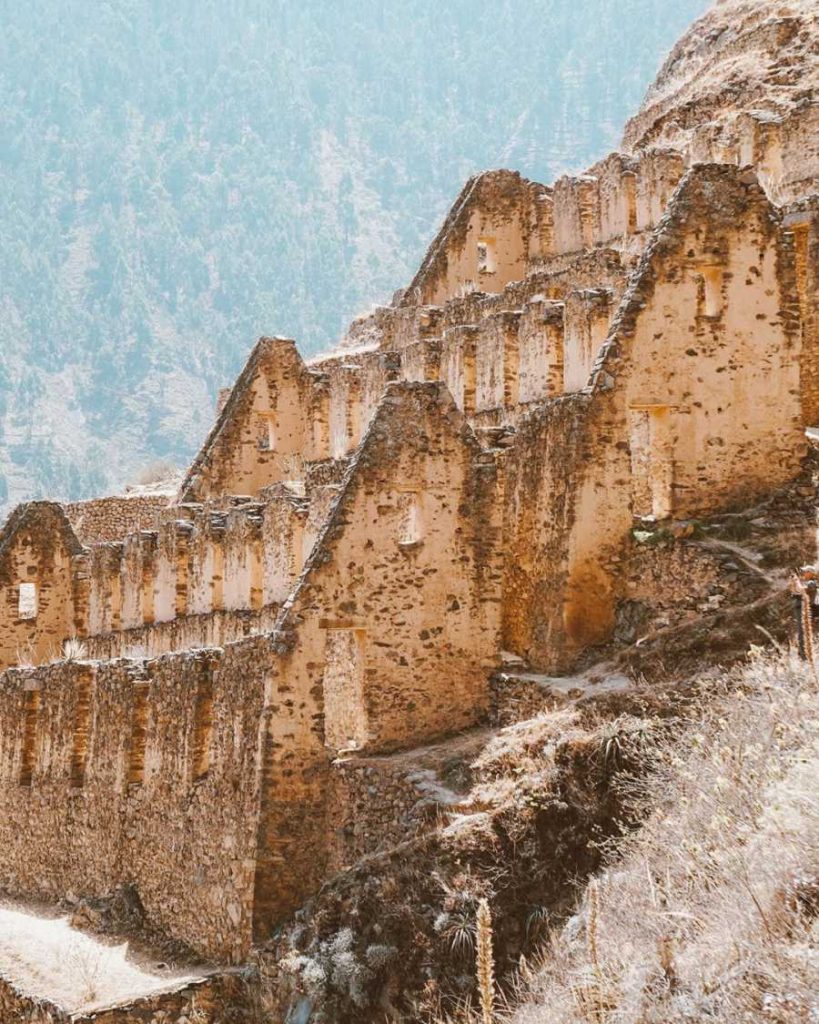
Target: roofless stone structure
(360,537)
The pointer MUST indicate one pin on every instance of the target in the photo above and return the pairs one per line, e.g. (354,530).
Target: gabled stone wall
(274,420)
(499,223)
(390,634)
(695,404)
(43,584)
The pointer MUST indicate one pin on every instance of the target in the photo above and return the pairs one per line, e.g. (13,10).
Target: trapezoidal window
(202,729)
(555,383)
(469,376)
(82,730)
(138,739)
(31,715)
(216,567)
(486,256)
(267,432)
(712,279)
(27,601)
(345,714)
(412,524)
(652,469)
(354,415)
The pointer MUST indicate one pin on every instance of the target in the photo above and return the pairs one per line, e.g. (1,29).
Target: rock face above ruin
(745,66)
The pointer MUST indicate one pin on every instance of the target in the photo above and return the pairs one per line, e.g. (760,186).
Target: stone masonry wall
(498,223)
(107,519)
(274,420)
(390,634)
(378,803)
(711,350)
(409,558)
(695,405)
(546,471)
(149,774)
(187,632)
(43,585)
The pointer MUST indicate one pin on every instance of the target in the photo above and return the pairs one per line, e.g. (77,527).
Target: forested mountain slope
(176,179)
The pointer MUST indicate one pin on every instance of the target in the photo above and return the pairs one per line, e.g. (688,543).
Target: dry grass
(485,963)
(519,748)
(523,750)
(74,650)
(84,964)
(710,911)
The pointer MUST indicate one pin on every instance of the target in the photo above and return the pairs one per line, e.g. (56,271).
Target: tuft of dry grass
(84,963)
(74,650)
(521,747)
(523,750)
(485,964)
(711,910)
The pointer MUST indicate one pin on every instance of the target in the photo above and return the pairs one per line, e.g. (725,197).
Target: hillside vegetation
(710,911)
(177,179)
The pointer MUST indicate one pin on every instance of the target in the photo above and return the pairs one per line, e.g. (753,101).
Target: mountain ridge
(177,183)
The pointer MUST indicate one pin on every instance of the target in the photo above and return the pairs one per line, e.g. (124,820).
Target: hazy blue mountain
(177,178)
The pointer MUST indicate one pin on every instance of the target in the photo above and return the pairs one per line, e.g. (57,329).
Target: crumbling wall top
(110,518)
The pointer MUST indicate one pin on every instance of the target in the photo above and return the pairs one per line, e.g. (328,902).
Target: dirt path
(45,957)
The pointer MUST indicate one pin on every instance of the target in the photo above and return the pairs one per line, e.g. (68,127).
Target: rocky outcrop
(741,86)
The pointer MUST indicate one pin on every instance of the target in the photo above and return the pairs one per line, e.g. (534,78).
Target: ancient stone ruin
(364,538)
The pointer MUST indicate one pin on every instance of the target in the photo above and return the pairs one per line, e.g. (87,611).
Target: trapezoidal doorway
(345,715)
(652,461)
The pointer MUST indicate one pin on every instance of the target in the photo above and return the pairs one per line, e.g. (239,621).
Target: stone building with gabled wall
(44,583)
(364,537)
(245,705)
